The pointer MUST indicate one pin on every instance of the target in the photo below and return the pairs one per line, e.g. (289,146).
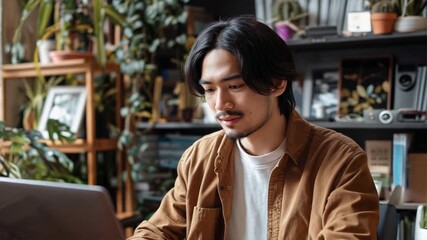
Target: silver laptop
(32,209)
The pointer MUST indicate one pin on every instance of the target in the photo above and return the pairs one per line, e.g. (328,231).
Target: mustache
(228,113)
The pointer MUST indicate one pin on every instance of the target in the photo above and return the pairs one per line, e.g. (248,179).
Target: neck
(266,139)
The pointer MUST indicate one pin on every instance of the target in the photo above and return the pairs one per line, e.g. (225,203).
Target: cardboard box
(417,180)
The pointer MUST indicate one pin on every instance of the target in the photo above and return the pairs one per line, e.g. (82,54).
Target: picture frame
(364,83)
(65,104)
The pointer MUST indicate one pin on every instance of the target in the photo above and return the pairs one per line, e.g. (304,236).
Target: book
(379,160)
(417,185)
(401,144)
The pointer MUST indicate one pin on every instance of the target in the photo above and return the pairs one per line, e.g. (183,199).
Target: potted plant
(155,33)
(286,14)
(74,22)
(77,24)
(23,154)
(383,16)
(421,223)
(410,15)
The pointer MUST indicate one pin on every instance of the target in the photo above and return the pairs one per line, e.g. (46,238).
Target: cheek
(211,102)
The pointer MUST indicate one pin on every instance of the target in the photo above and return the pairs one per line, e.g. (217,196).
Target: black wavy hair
(265,59)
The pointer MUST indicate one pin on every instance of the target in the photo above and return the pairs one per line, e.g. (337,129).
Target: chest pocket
(205,224)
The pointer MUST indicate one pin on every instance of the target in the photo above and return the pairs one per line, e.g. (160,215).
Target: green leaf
(45,12)
(98,21)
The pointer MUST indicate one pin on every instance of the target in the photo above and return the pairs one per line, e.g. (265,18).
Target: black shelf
(370,40)
(374,126)
(179,126)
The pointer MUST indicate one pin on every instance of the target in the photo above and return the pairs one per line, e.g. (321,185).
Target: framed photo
(324,99)
(65,104)
(364,83)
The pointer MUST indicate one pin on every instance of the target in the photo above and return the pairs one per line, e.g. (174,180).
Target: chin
(233,134)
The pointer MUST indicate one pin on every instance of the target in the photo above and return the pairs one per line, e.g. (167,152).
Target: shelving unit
(91,145)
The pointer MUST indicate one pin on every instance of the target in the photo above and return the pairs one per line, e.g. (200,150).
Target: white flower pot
(410,24)
(420,233)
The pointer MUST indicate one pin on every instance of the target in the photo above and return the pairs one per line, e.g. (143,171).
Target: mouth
(229,118)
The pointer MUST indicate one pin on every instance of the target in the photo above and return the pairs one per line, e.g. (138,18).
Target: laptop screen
(31,209)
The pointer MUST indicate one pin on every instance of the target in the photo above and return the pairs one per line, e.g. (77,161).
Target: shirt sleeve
(169,221)
(352,208)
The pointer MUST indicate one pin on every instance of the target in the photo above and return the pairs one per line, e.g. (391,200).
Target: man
(268,174)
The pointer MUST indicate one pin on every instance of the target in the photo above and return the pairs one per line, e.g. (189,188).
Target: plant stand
(12,75)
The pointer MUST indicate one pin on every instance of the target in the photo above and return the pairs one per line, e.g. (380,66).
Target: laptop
(31,209)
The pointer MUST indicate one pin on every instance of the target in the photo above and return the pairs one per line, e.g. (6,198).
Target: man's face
(240,111)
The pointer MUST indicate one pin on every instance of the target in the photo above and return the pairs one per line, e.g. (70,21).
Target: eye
(236,86)
(209,91)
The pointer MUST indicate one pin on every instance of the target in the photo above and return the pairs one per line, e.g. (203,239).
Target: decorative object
(324,100)
(411,17)
(359,22)
(364,83)
(383,16)
(286,14)
(65,104)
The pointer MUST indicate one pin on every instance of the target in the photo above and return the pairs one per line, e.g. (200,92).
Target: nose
(223,101)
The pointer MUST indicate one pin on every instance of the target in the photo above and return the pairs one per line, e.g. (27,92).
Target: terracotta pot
(58,56)
(383,23)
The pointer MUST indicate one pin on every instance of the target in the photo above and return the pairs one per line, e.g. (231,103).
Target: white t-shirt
(250,194)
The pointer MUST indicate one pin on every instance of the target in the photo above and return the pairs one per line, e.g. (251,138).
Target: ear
(281,88)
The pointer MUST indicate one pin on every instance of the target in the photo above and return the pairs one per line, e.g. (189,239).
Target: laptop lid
(31,209)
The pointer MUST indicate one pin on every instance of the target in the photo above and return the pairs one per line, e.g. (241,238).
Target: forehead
(219,63)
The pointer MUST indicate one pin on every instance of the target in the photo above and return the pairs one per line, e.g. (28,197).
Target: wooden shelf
(90,145)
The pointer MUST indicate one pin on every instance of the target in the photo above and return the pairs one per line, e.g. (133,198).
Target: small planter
(383,23)
(58,56)
(410,24)
(420,233)
(284,30)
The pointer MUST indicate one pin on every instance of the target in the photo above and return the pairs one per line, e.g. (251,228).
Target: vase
(284,31)
(44,49)
(383,23)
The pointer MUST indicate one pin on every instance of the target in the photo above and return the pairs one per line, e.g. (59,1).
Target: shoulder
(330,139)
(205,149)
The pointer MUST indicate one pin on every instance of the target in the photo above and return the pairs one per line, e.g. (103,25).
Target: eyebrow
(229,78)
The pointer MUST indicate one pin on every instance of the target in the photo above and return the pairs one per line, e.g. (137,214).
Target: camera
(386,117)
(379,115)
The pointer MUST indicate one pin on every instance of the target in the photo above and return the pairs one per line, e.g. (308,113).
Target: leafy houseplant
(286,14)
(410,15)
(71,19)
(421,223)
(383,16)
(154,34)
(30,158)
(75,23)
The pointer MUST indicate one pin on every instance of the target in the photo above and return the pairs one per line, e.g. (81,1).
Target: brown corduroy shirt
(320,189)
